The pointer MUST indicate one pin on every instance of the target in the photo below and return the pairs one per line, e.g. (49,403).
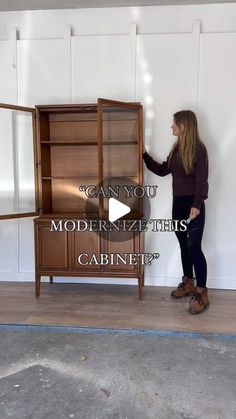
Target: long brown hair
(188,140)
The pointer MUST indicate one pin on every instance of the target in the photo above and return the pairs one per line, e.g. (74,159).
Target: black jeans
(190,240)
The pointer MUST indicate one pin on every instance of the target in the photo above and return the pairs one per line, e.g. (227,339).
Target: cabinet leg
(142,278)
(140,289)
(51,279)
(37,285)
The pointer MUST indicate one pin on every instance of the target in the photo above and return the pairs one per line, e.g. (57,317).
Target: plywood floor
(113,306)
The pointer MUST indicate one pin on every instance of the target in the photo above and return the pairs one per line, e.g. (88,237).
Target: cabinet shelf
(68,177)
(88,143)
(120,142)
(57,119)
(63,143)
(106,179)
(70,215)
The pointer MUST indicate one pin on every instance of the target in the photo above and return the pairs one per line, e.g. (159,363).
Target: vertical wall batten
(67,38)
(133,52)
(194,77)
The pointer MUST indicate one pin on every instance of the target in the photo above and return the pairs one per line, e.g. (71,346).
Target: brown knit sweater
(196,183)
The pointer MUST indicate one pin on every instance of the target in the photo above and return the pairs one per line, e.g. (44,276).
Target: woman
(188,164)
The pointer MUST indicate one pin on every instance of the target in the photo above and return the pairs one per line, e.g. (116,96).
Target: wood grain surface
(113,306)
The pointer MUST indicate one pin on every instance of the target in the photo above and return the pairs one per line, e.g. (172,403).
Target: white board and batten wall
(169,58)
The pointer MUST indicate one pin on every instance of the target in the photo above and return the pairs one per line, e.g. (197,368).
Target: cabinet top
(109,105)
(85,107)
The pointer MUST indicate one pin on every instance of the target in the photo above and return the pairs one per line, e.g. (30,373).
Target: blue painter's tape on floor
(103,330)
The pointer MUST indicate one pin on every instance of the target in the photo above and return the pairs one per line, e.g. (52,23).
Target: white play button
(117,209)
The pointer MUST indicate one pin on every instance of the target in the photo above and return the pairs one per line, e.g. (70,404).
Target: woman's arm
(160,169)
(201,180)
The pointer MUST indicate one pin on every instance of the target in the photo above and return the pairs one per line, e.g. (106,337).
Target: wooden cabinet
(73,147)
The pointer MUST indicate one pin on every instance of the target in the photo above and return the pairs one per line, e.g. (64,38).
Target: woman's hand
(194,212)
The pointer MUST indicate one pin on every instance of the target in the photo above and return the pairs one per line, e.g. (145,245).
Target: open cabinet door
(120,126)
(18,158)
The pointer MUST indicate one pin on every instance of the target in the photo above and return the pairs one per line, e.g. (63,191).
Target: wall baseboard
(217,283)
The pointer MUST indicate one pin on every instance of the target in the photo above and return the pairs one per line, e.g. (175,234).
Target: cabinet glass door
(18,186)
(120,150)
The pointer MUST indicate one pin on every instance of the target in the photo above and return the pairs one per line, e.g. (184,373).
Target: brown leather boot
(186,287)
(199,301)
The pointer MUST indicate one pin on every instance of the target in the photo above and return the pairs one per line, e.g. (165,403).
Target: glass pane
(120,142)
(120,149)
(17,181)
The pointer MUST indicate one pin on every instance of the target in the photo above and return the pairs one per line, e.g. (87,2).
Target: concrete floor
(117,375)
